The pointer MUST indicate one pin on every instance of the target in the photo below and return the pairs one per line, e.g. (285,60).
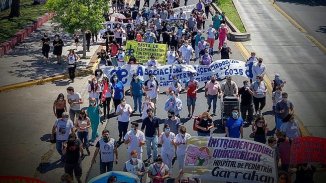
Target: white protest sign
(164,74)
(223,159)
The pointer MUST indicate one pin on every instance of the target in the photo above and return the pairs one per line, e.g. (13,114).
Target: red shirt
(192,86)
(114,49)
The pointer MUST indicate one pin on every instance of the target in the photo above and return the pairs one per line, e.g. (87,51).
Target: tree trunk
(84,44)
(15,9)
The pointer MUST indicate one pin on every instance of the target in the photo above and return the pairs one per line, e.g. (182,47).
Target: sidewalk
(289,52)
(25,62)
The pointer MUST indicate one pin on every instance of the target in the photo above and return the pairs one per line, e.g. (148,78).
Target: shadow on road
(321,29)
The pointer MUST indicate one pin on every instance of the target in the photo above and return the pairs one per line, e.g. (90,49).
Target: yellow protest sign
(142,51)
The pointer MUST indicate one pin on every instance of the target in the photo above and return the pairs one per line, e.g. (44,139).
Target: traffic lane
(28,120)
(311,17)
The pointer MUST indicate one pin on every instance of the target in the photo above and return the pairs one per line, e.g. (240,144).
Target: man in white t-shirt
(62,128)
(124,111)
(74,100)
(135,139)
(186,52)
(152,89)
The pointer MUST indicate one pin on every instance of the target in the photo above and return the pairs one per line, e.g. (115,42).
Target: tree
(79,15)
(15,9)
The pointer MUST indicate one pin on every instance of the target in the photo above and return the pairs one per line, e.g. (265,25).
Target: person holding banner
(166,139)
(234,125)
(181,141)
(191,87)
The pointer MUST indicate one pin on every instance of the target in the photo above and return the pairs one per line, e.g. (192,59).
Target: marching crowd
(188,41)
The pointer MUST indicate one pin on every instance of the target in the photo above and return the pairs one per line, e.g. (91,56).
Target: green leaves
(79,15)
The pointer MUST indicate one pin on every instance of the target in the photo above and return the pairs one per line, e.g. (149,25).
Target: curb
(235,35)
(90,68)
(19,37)
(299,27)
(245,53)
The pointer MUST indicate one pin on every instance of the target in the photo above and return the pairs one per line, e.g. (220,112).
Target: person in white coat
(168,148)
(135,139)
(181,141)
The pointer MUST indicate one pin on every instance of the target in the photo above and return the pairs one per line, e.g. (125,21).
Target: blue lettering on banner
(121,74)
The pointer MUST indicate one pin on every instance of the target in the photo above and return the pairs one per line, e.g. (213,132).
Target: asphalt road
(310,14)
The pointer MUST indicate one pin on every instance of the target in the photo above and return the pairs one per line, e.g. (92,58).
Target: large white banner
(164,74)
(186,9)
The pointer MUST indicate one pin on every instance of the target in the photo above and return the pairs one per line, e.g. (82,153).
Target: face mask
(192,78)
(105,139)
(134,159)
(169,116)
(135,130)
(92,103)
(115,79)
(167,130)
(285,99)
(235,115)
(123,103)
(171,97)
(277,78)
(152,79)
(224,46)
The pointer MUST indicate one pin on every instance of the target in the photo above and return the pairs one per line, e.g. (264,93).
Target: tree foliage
(79,15)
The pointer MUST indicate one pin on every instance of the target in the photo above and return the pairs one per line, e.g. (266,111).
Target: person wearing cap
(186,52)
(234,125)
(283,109)
(135,165)
(135,140)
(158,171)
(93,112)
(259,89)
(152,62)
(191,88)
(277,82)
(229,88)
(61,130)
(258,69)
(107,147)
(120,57)
(136,92)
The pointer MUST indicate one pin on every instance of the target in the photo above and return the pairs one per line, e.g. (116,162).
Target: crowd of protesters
(189,40)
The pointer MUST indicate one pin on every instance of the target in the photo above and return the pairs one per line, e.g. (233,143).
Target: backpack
(194,128)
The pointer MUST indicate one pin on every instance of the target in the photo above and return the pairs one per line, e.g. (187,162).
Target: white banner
(186,9)
(163,74)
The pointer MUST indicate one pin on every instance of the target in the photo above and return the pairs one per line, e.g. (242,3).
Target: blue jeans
(203,134)
(106,167)
(211,98)
(83,136)
(138,102)
(151,143)
(59,146)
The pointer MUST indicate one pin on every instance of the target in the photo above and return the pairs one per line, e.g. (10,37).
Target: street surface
(308,13)
(288,51)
